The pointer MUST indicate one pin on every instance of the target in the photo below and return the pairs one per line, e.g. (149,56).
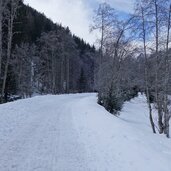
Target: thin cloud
(77,14)
(121,5)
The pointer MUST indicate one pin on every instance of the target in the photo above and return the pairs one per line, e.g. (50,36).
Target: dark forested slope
(45,57)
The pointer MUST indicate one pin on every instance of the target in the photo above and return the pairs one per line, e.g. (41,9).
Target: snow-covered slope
(73,133)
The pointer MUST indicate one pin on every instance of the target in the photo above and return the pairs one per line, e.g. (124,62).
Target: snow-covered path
(73,133)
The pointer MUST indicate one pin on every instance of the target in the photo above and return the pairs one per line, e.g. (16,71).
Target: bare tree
(141,23)
(104,19)
(155,28)
(1,17)
(158,11)
(114,48)
(167,115)
(12,12)
(3,4)
(157,93)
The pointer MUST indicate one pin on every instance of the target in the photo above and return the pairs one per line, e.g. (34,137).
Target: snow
(74,133)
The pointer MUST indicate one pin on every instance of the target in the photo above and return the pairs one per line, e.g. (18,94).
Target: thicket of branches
(135,57)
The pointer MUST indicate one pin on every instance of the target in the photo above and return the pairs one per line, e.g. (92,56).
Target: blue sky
(77,14)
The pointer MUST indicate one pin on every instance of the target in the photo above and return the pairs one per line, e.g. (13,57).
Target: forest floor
(74,133)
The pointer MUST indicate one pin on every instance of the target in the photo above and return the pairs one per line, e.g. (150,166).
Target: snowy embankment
(73,133)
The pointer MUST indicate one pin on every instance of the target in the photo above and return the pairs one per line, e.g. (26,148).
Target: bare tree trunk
(10,36)
(31,77)
(12,14)
(48,81)
(62,76)
(166,81)
(101,57)
(1,13)
(101,41)
(2,7)
(20,75)
(157,94)
(146,74)
(53,74)
(67,74)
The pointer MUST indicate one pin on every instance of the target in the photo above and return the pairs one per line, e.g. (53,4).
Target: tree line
(38,56)
(135,57)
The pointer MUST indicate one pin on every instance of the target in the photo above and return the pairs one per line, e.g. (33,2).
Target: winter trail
(73,133)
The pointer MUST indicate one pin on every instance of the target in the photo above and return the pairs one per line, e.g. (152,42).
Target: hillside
(72,132)
(44,57)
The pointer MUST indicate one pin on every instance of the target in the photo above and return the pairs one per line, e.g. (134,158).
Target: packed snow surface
(74,133)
